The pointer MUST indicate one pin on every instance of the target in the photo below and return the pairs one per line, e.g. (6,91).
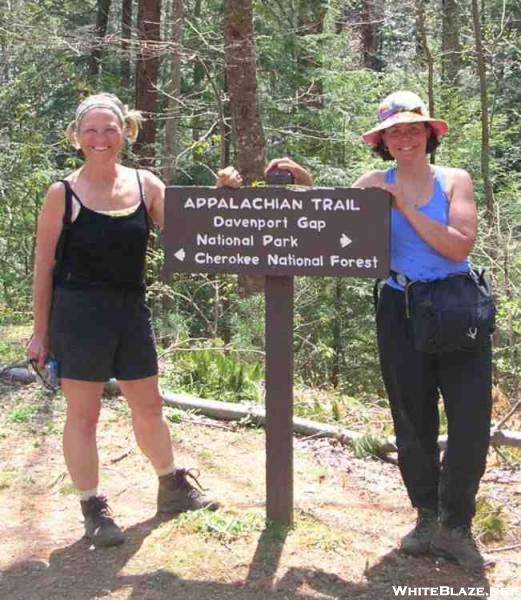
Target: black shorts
(99,334)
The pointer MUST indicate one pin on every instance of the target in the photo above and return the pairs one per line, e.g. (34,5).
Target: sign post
(278,232)
(279,399)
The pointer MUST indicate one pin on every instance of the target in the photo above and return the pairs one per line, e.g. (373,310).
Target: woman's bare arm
(47,235)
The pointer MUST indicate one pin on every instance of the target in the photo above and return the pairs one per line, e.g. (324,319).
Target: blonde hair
(130,119)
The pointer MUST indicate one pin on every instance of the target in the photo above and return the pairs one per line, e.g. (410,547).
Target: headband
(101,101)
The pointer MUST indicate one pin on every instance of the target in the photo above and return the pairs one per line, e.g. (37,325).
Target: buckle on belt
(400,278)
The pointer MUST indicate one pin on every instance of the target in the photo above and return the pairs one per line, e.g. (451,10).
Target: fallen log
(230,411)
(23,375)
(17,374)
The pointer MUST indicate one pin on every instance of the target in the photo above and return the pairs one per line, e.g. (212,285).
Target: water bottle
(52,372)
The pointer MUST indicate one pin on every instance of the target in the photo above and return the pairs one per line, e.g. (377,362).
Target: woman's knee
(83,405)
(144,398)
(148,409)
(145,403)
(85,421)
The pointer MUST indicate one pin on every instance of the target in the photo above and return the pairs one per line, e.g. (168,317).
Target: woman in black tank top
(105,251)
(89,306)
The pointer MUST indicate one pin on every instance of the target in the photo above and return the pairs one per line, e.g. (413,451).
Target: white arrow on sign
(180,254)
(345,241)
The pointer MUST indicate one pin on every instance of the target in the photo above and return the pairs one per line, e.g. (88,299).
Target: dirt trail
(350,513)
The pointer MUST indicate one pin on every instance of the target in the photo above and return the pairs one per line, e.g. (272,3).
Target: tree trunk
(310,22)
(427,55)
(174,92)
(241,73)
(226,127)
(451,47)
(198,71)
(126,36)
(485,126)
(147,70)
(370,15)
(102,19)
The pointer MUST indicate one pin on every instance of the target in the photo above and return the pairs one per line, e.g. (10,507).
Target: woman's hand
(376,179)
(228,177)
(37,349)
(398,198)
(300,175)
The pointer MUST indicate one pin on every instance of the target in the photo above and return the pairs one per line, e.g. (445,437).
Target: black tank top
(102,251)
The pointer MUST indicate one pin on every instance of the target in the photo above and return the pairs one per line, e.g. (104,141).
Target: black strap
(141,191)
(66,225)
(44,376)
(376,293)
(67,214)
(377,285)
(142,199)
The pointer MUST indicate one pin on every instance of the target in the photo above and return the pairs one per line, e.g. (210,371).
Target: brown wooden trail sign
(278,232)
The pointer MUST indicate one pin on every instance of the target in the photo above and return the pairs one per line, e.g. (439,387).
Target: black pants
(413,381)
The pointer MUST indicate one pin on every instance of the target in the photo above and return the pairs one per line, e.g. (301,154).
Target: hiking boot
(100,527)
(176,494)
(418,540)
(459,545)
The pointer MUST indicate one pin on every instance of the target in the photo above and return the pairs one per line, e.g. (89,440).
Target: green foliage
(313,533)
(248,332)
(68,489)
(274,532)
(315,100)
(215,373)
(367,445)
(13,338)
(334,325)
(489,522)
(9,353)
(22,414)
(175,415)
(219,525)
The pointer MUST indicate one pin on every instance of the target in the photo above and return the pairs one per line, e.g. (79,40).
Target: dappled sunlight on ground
(349,516)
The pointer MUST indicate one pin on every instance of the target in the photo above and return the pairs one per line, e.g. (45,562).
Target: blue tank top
(410,254)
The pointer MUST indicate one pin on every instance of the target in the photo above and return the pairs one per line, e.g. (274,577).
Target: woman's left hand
(300,175)
(228,177)
(37,349)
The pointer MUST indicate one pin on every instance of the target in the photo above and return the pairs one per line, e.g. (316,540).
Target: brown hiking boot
(176,494)
(459,545)
(100,527)
(418,540)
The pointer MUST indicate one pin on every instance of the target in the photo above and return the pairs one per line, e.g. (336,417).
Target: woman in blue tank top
(90,311)
(433,230)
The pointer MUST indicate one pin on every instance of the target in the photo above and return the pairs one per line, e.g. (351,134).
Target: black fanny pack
(455,313)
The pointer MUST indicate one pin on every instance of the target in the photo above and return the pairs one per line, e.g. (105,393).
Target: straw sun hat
(402,107)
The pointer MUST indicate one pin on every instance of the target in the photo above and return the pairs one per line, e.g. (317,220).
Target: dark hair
(381,150)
